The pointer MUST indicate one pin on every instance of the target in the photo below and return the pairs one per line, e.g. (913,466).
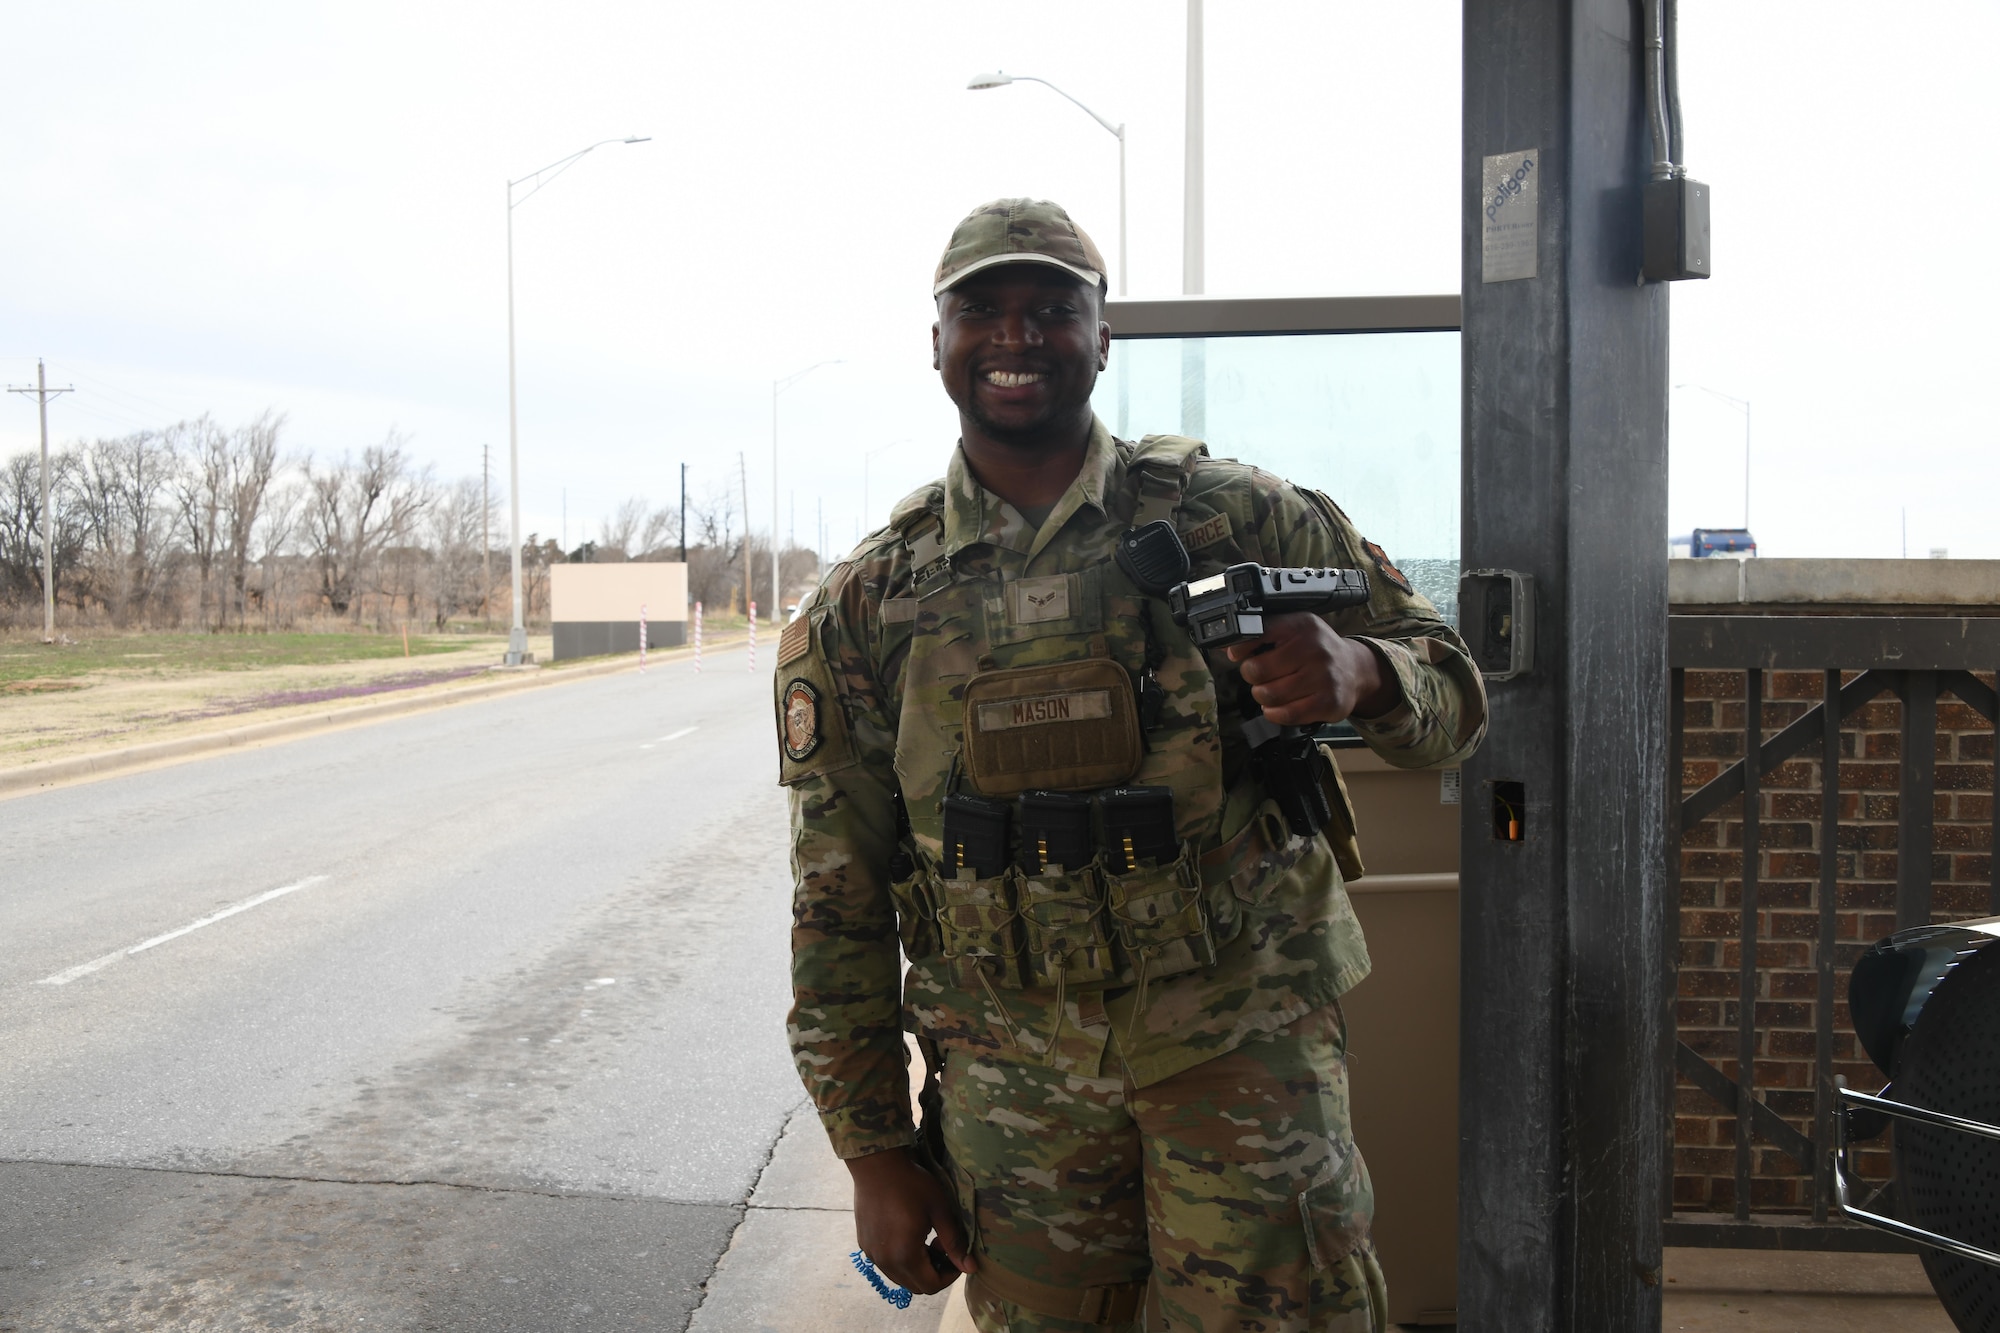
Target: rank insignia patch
(1389,571)
(801,721)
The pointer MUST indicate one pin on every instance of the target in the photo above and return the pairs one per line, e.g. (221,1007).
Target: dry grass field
(101,690)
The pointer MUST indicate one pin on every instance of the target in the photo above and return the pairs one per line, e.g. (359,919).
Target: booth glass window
(1372,419)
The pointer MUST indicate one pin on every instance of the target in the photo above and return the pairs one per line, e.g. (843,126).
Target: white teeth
(1013,379)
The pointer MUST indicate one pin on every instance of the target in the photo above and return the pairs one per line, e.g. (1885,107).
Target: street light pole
(1743,403)
(517,636)
(999,80)
(777,387)
(1193,278)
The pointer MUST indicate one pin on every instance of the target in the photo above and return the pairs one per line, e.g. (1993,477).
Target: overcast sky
(216,207)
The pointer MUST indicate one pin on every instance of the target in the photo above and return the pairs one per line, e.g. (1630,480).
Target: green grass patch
(190,654)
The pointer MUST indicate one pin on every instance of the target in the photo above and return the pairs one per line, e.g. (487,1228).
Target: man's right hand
(897,1205)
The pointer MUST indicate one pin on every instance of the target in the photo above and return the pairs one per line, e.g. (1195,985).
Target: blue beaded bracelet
(896,1296)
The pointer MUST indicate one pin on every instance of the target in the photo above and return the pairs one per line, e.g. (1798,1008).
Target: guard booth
(1359,398)
(598,609)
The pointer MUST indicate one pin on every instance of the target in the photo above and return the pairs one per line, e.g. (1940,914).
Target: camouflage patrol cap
(1017,231)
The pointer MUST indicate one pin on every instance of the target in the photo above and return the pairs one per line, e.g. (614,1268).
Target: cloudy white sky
(223,207)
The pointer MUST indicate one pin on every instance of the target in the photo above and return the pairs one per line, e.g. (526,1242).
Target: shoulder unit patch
(1389,571)
(801,721)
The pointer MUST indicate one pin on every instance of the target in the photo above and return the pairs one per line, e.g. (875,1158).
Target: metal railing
(1916,659)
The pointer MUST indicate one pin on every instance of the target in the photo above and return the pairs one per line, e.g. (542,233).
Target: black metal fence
(1916,659)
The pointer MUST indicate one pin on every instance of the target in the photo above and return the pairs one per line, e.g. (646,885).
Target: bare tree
(660,538)
(200,486)
(283,515)
(618,535)
(21,529)
(357,509)
(456,526)
(100,504)
(250,464)
(715,556)
(145,467)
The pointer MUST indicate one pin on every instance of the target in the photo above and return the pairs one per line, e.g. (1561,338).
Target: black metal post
(1670,928)
(1914,817)
(1564,373)
(1746,939)
(1829,886)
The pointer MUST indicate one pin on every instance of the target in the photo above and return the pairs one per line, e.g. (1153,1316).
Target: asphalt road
(478,1024)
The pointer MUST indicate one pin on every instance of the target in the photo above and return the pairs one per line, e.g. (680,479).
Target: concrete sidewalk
(786,1271)
(1767,1291)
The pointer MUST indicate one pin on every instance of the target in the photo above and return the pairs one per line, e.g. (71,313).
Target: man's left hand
(1302,673)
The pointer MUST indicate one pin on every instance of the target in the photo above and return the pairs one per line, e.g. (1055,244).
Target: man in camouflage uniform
(1137,1113)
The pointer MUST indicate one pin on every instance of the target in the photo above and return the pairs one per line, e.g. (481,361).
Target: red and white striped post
(753,638)
(642,637)
(697,638)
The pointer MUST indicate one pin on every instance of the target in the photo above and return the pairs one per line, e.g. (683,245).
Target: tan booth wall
(594,609)
(1403,1028)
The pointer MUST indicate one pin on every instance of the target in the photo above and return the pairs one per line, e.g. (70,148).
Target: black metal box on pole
(1564,1063)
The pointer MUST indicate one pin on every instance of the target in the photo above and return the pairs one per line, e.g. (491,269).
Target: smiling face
(1019,347)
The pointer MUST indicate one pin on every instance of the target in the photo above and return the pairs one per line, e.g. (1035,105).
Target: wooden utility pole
(43,393)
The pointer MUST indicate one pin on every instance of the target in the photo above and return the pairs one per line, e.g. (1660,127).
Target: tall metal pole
(684,513)
(1123,263)
(517,636)
(1124,269)
(1194,352)
(774,509)
(485,528)
(777,387)
(749,589)
(1192,276)
(1743,404)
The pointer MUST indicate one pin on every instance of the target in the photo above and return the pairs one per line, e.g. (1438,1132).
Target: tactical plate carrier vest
(1072,682)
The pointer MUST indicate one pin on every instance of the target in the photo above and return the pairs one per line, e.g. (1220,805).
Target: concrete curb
(83,767)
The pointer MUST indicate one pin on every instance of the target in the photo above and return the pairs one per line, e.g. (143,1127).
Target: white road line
(63,978)
(684,731)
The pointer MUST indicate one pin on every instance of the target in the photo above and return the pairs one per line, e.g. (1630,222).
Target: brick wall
(1788,910)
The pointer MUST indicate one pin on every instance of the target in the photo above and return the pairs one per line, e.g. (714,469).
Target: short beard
(1019,436)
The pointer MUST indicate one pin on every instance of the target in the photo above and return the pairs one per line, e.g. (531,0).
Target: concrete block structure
(595,609)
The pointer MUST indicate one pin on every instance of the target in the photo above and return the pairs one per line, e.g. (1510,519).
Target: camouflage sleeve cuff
(856,1131)
(1406,734)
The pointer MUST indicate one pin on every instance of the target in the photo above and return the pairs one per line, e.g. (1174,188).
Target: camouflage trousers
(1233,1190)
